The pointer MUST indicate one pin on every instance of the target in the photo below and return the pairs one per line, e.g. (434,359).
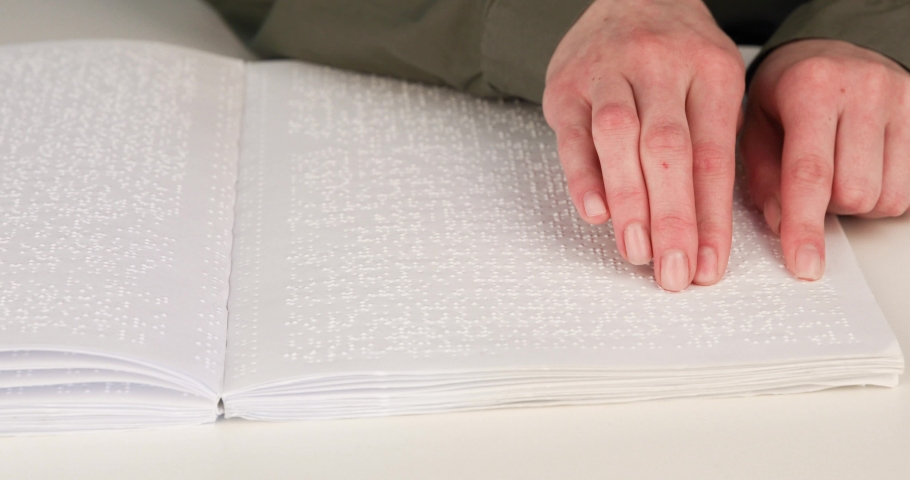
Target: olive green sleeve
(519,39)
(879,25)
(244,16)
(485,47)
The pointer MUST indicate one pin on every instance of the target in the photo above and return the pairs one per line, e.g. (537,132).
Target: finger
(666,159)
(740,118)
(895,197)
(807,171)
(761,145)
(616,132)
(570,117)
(858,158)
(712,108)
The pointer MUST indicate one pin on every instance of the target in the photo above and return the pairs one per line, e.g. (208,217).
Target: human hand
(827,129)
(644,97)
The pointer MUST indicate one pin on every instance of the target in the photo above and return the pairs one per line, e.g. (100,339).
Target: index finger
(807,172)
(570,117)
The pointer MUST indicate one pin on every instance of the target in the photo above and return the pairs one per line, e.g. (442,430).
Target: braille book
(184,236)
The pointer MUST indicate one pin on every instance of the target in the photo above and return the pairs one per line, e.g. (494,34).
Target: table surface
(844,433)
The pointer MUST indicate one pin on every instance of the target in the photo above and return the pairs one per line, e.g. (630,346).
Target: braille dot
(109,154)
(427,224)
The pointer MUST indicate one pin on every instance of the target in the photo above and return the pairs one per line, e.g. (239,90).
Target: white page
(390,227)
(117,175)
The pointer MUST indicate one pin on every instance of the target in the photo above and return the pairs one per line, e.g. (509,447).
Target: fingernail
(594,204)
(638,245)
(772,214)
(706,271)
(808,262)
(674,271)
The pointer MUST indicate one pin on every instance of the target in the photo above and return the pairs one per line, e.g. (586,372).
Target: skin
(645,98)
(827,129)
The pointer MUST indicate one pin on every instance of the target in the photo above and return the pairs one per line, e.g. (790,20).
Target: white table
(837,434)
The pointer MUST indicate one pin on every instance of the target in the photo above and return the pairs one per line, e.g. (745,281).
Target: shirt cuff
(519,38)
(879,25)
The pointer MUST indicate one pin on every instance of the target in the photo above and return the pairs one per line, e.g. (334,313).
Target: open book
(184,235)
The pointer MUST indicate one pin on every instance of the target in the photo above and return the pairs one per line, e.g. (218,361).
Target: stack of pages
(184,235)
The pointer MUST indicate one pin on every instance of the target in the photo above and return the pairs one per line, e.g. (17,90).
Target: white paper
(117,174)
(388,229)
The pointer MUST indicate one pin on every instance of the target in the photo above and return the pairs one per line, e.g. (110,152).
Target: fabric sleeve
(485,47)
(879,25)
(244,16)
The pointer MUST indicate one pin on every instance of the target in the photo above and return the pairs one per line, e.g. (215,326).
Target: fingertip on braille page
(808,262)
(706,271)
(674,270)
(594,205)
(638,244)
(772,214)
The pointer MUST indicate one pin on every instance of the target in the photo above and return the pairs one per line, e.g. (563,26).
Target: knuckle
(811,170)
(877,75)
(720,62)
(571,137)
(627,197)
(674,224)
(855,196)
(668,137)
(810,74)
(893,204)
(556,98)
(714,232)
(644,41)
(711,160)
(615,117)
(551,94)
(568,123)
(902,99)
(799,232)
(580,182)
(817,67)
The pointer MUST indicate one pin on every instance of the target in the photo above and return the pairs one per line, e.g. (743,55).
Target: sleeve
(485,47)
(879,25)
(244,16)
